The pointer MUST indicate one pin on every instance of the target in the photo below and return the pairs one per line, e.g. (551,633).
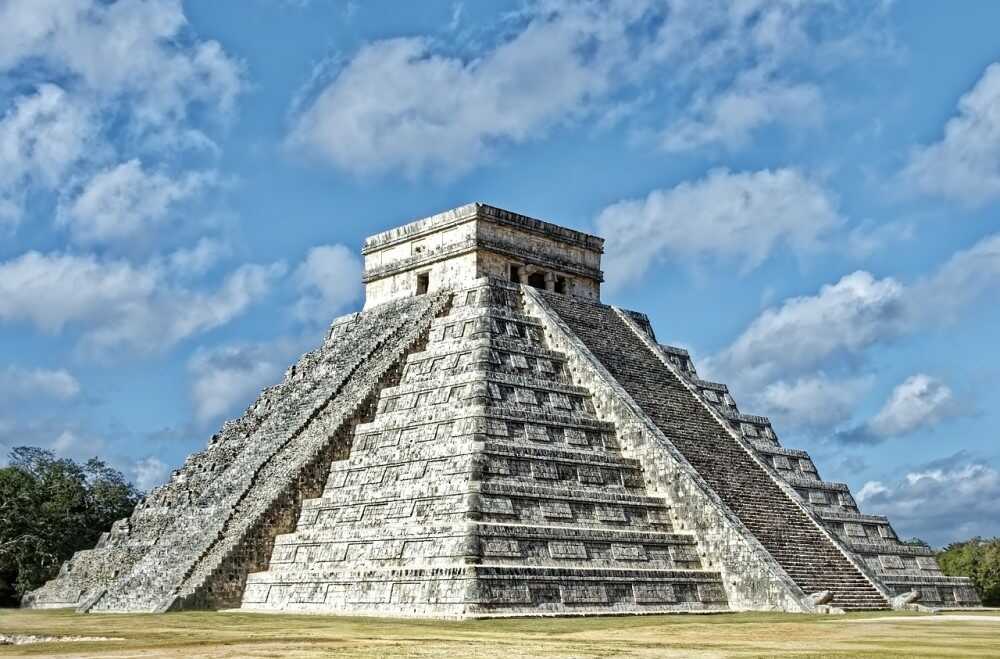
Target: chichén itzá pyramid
(486,438)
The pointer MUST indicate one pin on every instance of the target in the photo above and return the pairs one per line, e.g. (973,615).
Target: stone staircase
(901,568)
(778,522)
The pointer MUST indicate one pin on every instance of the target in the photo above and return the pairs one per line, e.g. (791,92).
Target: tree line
(49,508)
(978,559)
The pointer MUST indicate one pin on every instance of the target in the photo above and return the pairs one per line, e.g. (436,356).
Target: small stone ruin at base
(486,438)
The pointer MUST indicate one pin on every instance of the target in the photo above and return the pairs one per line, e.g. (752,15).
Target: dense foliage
(49,508)
(979,560)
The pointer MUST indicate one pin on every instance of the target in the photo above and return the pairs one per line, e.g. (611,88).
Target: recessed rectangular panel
(583,593)
(654,593)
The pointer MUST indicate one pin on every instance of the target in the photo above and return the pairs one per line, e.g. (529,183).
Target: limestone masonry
(487,439)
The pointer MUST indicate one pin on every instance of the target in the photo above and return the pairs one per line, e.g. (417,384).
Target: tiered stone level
(485,486)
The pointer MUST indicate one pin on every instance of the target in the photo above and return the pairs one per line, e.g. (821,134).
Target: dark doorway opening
(561,285)
(537,279)
(423,282)
(515,273)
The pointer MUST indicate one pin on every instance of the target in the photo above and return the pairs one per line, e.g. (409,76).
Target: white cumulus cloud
(413,104)
(100,83)
(28,383)
(126,200)
(943,501)
(134,48)
(149,472)
(805,339)
(329,279)
(120,305)
(918,402)
(742,216)
(227,378)
(397,104)
(965,164)
(42,136)
(805,332)
(816,402)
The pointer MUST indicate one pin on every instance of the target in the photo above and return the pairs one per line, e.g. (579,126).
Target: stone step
(480,376)
(575,454)
(483,344)
(466,313)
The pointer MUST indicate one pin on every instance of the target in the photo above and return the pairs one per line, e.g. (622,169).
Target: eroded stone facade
(487,439)
(452,249)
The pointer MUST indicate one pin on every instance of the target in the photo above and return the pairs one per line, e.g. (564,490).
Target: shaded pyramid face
(485,485)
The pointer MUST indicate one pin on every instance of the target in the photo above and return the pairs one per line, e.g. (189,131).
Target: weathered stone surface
(192,541)
(485,486)
(488,439)
(453,248)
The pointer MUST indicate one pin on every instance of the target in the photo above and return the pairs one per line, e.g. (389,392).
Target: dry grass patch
(218,635)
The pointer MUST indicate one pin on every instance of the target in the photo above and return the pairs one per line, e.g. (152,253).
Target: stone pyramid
(487,439)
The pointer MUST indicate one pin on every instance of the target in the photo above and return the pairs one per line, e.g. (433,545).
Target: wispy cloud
(964,165)
(736,216)
(413,105)
(227,378)
(731,118)
(832,331)
(121,306)
(27,383)
(940,501)
(918,403)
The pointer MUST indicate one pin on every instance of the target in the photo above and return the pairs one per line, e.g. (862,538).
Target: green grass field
(209,634)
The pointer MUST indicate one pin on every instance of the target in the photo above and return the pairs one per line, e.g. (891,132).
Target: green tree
(49,508)
(979,560)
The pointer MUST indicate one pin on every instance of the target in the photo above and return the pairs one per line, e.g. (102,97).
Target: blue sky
(805,195)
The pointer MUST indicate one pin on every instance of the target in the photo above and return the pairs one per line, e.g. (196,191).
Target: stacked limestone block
(485,486)
(902,568)
(191,542)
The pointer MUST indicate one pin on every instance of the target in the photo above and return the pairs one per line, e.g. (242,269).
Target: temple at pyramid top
(454,248)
